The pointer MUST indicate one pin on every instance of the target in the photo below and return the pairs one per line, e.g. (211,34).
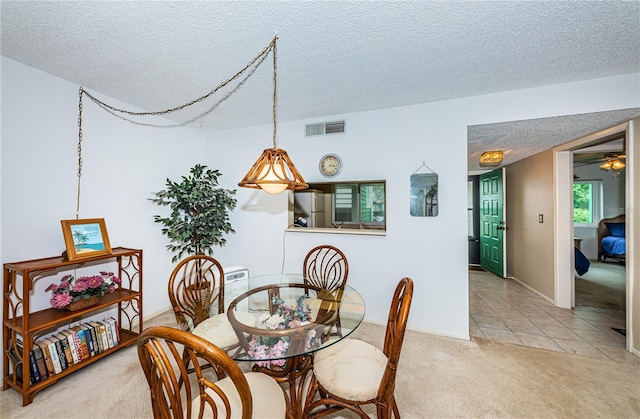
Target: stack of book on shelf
(61,350)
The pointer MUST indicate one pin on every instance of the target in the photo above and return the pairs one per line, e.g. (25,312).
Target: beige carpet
(438,377)
(602,286)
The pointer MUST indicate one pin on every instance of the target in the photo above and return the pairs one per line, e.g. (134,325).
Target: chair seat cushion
(218,330)
(351,369)
(267,396)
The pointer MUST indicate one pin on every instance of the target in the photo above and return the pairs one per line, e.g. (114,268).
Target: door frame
(474,238)
(564,279)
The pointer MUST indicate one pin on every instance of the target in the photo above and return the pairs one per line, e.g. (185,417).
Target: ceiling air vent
(324,128)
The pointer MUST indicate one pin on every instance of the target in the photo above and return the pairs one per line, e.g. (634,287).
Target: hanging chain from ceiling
(257,60)
(275,85)
(79,150)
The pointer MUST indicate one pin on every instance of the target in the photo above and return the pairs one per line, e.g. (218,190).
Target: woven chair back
(326,267)
(195,286)
(164,353)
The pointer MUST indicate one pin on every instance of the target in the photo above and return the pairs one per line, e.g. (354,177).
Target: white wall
(125,163)
(413,246)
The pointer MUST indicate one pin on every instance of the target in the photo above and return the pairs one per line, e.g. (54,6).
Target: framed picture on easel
(85,238)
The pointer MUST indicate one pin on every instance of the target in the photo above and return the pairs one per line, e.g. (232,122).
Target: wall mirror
(424,195)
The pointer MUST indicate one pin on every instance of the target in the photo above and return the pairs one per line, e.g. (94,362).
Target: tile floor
(503,310)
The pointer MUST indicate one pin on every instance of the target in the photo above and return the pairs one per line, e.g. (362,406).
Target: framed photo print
(85,238)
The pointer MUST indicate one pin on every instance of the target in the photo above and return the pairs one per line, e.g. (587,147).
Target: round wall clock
(330,165)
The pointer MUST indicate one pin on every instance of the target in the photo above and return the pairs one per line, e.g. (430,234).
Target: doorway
(564,240)
(598,198)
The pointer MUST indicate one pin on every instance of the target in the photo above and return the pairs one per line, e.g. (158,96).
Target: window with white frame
(587,202)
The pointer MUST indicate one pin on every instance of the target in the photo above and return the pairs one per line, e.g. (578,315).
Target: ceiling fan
(607,161)
(614,163)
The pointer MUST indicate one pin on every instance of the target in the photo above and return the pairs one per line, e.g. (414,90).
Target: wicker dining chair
(326,267)
(352,373)
(223,391)
(196,292)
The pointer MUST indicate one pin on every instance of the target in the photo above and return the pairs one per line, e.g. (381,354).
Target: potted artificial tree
(199,212)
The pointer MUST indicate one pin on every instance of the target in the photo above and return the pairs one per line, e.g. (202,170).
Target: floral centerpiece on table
(284,317)
(71,289)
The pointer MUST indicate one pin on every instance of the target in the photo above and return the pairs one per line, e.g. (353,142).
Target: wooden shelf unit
(18,320)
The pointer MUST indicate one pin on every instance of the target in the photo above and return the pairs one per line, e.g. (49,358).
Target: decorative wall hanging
(85,238)
(424,193)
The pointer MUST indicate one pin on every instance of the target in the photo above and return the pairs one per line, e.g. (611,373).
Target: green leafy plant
(199,212)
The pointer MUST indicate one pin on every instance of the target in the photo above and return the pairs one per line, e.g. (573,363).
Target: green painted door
(492,225)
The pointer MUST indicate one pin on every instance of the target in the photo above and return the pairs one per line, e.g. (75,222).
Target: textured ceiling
(333,57)
(521,139)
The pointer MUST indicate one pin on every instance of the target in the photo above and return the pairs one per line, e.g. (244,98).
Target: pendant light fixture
(274,172)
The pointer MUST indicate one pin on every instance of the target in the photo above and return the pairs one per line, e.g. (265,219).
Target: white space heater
(235,273)
(236,281)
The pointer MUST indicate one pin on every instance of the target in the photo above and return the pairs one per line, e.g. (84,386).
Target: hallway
(503,310)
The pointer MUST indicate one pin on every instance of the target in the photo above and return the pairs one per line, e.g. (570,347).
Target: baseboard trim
(535,291)
(157,313)
(420,330)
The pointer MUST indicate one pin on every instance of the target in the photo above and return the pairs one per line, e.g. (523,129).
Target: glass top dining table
(280,322)
(288,317)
